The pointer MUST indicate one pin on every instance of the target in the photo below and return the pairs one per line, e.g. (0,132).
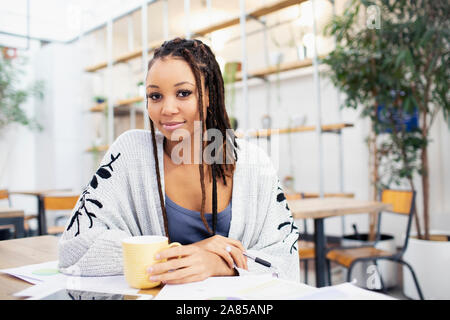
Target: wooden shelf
(99,107)
(288,66)
(269,132)
(129,101)
(122,106)
(98,148)
(258,13)
(309,195)
(201,32)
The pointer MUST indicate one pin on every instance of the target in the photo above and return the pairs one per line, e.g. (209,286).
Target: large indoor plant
(13,94)
(398,65)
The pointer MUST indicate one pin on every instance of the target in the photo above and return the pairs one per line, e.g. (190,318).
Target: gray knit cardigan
(122,200)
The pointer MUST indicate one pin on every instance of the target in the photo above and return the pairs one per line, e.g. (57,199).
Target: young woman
(217,204)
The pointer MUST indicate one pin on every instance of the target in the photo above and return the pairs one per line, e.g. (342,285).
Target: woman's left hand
(186,264)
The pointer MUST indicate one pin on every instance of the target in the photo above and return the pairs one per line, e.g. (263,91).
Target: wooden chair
(4,194)
(402,203)
(59,202)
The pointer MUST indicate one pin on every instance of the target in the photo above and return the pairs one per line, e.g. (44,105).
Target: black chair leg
(329,272)
(305,263)
(383,287)
(349,272)
(416,282)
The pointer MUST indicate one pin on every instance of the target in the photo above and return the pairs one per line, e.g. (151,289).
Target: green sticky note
(45,272)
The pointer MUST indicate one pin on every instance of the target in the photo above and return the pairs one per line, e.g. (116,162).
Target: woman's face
(173,97)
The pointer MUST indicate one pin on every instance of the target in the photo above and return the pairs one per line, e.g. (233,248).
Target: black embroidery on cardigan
(293,228)
(79,212)
(103,173)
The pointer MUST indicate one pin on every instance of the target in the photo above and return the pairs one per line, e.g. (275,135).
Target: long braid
(202,62)
(158,176)
(191,61)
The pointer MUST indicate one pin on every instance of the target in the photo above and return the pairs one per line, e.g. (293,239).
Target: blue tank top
(186,226)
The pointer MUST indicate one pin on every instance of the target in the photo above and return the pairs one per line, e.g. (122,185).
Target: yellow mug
(139,254)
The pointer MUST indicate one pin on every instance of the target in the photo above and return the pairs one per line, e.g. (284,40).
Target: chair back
(403,203)
(60,202)
(4,194)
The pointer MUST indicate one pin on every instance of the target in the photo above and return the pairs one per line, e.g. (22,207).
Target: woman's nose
(170,107)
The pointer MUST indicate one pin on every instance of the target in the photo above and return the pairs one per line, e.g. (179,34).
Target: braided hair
(202,62)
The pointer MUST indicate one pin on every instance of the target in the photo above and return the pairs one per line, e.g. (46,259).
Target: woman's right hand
(232,251)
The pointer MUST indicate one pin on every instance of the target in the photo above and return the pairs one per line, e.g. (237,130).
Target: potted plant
(400,65)
(100,99)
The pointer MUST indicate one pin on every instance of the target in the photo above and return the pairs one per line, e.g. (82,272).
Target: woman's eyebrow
(175,85)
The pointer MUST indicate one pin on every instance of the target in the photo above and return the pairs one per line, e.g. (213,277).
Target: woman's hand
(187,264)
(232,251)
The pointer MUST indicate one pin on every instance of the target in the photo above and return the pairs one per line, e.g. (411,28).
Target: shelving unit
(255,14)
(149,47)
(243,76)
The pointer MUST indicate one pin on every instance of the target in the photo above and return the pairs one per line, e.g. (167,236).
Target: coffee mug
(139,254)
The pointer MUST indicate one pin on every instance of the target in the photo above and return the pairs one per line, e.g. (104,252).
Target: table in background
(321,208)
(39,194)
(33,250)
(14,217)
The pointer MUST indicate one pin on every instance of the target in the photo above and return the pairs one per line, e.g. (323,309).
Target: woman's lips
(172,125)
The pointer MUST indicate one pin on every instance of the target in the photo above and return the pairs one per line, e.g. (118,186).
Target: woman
(218,197)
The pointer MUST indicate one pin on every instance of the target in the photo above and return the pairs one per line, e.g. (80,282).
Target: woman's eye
(184,93)
(154,96)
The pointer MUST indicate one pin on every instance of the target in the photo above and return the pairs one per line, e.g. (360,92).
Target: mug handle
(175,244)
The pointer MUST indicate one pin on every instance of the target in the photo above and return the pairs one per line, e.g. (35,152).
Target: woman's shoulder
(250,153)
(135,139)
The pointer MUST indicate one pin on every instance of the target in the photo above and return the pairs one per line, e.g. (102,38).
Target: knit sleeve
(91,242)
(274,232)
(277,241)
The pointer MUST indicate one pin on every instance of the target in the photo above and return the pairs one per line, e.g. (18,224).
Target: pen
(258,260)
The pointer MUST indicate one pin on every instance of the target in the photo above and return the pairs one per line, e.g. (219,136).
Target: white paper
(228,288)
(37,273)
(46,279)
(110,284)
(263,288)
(348,291)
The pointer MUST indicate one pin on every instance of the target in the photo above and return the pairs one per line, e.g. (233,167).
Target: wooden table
(39,194)
(20,252)
(321,208)
(14,217)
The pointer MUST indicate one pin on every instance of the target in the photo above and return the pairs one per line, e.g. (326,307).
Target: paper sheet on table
(256,287)
(111,284)
(37,273)
(46,277)
(345,291)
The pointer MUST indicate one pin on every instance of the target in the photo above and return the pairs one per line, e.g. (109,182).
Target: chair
(403,203)
(58,202)
(7,231)
(4,194)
